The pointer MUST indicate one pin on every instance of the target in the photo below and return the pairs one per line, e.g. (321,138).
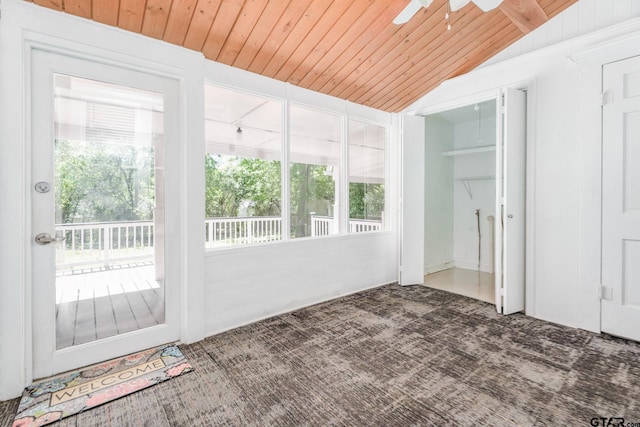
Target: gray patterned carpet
(391,356)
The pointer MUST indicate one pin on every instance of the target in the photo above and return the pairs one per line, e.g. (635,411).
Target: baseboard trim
(485,268)
(439,267)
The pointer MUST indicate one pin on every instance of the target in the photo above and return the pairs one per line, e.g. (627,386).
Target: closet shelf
(473,150)
(476,178)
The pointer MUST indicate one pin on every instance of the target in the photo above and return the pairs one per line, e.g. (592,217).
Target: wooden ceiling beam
(554,7)
(453,67)
(527,15)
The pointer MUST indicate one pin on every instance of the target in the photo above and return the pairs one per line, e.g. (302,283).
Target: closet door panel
(513,201)
(412,201)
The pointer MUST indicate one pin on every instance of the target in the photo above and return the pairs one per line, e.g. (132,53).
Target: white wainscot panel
(247,284)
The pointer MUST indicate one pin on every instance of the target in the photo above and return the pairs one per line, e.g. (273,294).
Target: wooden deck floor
(99,304)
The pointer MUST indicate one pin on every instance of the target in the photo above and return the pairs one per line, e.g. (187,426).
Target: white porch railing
(242,231)
(323,225)
(363,225)
(105,244)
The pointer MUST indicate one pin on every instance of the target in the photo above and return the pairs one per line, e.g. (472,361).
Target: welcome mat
(70,393)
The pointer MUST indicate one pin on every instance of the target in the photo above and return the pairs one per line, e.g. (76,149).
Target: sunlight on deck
(96,303)
(78,285)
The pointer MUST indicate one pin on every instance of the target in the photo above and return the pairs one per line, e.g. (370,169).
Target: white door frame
(190,322)
(47,359)
(24,26)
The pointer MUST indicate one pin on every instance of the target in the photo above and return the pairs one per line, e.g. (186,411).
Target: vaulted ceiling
(346,48)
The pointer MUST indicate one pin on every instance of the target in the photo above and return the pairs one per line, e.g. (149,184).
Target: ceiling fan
(414,6)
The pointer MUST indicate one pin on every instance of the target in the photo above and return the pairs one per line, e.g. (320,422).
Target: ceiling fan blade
(487,5)
(458,4)
(407,13)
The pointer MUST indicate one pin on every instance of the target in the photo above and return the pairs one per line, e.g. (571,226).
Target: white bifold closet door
(412,201)
(510,202)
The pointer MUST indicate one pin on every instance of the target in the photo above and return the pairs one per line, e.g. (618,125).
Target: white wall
(563,149)
(438,196)
(232,287)
(465,226)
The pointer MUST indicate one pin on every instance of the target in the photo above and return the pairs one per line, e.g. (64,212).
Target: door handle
(510,216)
(46,238)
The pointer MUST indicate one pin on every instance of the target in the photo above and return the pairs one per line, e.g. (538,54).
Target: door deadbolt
(42,187)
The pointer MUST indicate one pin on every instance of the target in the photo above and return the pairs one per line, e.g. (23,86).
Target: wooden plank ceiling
(346,48)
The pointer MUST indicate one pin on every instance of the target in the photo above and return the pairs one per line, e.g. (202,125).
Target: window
(245,177)
(315,155)
(366,176)
(243,197)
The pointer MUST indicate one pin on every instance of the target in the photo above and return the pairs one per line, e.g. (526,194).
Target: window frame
(283,135)
(339,186)
(289,95)
(387,134)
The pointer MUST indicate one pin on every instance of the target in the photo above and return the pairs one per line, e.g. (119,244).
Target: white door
(104,283)
(510,206)
(412,201)
(621,199)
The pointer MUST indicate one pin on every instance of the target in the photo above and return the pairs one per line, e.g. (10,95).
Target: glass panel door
(105,167)
(108,165)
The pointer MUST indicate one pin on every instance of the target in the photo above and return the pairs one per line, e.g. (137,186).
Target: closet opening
(461,201)
(474,192)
